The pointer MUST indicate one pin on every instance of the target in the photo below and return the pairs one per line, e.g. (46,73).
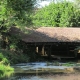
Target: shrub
(5,70)
(4,66)
(3,60)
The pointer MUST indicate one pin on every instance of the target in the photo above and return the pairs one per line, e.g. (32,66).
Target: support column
(49,52)
(37,49)
(43,53)
(68,53)
(75,53)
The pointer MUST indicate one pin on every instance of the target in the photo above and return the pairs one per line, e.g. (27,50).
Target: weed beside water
(5,69)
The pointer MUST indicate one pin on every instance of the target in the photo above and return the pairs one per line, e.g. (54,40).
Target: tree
(14,13)
(60,14)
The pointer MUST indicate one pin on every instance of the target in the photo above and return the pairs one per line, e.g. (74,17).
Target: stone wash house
(51,40)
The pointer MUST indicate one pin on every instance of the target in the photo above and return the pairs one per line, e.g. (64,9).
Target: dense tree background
(60,14)
(15,12)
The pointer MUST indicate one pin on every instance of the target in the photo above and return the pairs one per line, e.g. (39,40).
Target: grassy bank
(15,57)
(5,69)
(9,57)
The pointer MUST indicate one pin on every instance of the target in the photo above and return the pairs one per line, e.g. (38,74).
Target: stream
(41,70)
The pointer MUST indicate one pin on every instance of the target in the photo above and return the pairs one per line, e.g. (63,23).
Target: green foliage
(1,56)
(18,58)
(69,64)
(3,60)
(21,53)
(12,57)
(13,41)
(15,12)
(5,69)
(61,14)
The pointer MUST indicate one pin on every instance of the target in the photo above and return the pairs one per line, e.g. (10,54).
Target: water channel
(41,70)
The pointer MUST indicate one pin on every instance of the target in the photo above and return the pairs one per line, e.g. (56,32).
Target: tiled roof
(50,34)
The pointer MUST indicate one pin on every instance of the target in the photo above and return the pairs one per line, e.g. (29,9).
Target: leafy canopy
(15,12)
(60,14)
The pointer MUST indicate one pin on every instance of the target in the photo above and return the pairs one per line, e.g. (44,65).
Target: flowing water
(40,71)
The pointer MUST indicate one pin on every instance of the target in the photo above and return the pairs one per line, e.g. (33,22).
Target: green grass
(5,69)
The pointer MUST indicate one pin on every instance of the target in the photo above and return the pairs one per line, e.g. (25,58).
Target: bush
(13,57)
(3,60)
(1,56)
(5,69)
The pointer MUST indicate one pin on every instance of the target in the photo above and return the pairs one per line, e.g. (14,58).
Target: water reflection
(34,77)
(39,71)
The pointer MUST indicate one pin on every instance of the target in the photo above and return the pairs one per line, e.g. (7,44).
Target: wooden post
(75,53)
(36,49)
(42,50)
